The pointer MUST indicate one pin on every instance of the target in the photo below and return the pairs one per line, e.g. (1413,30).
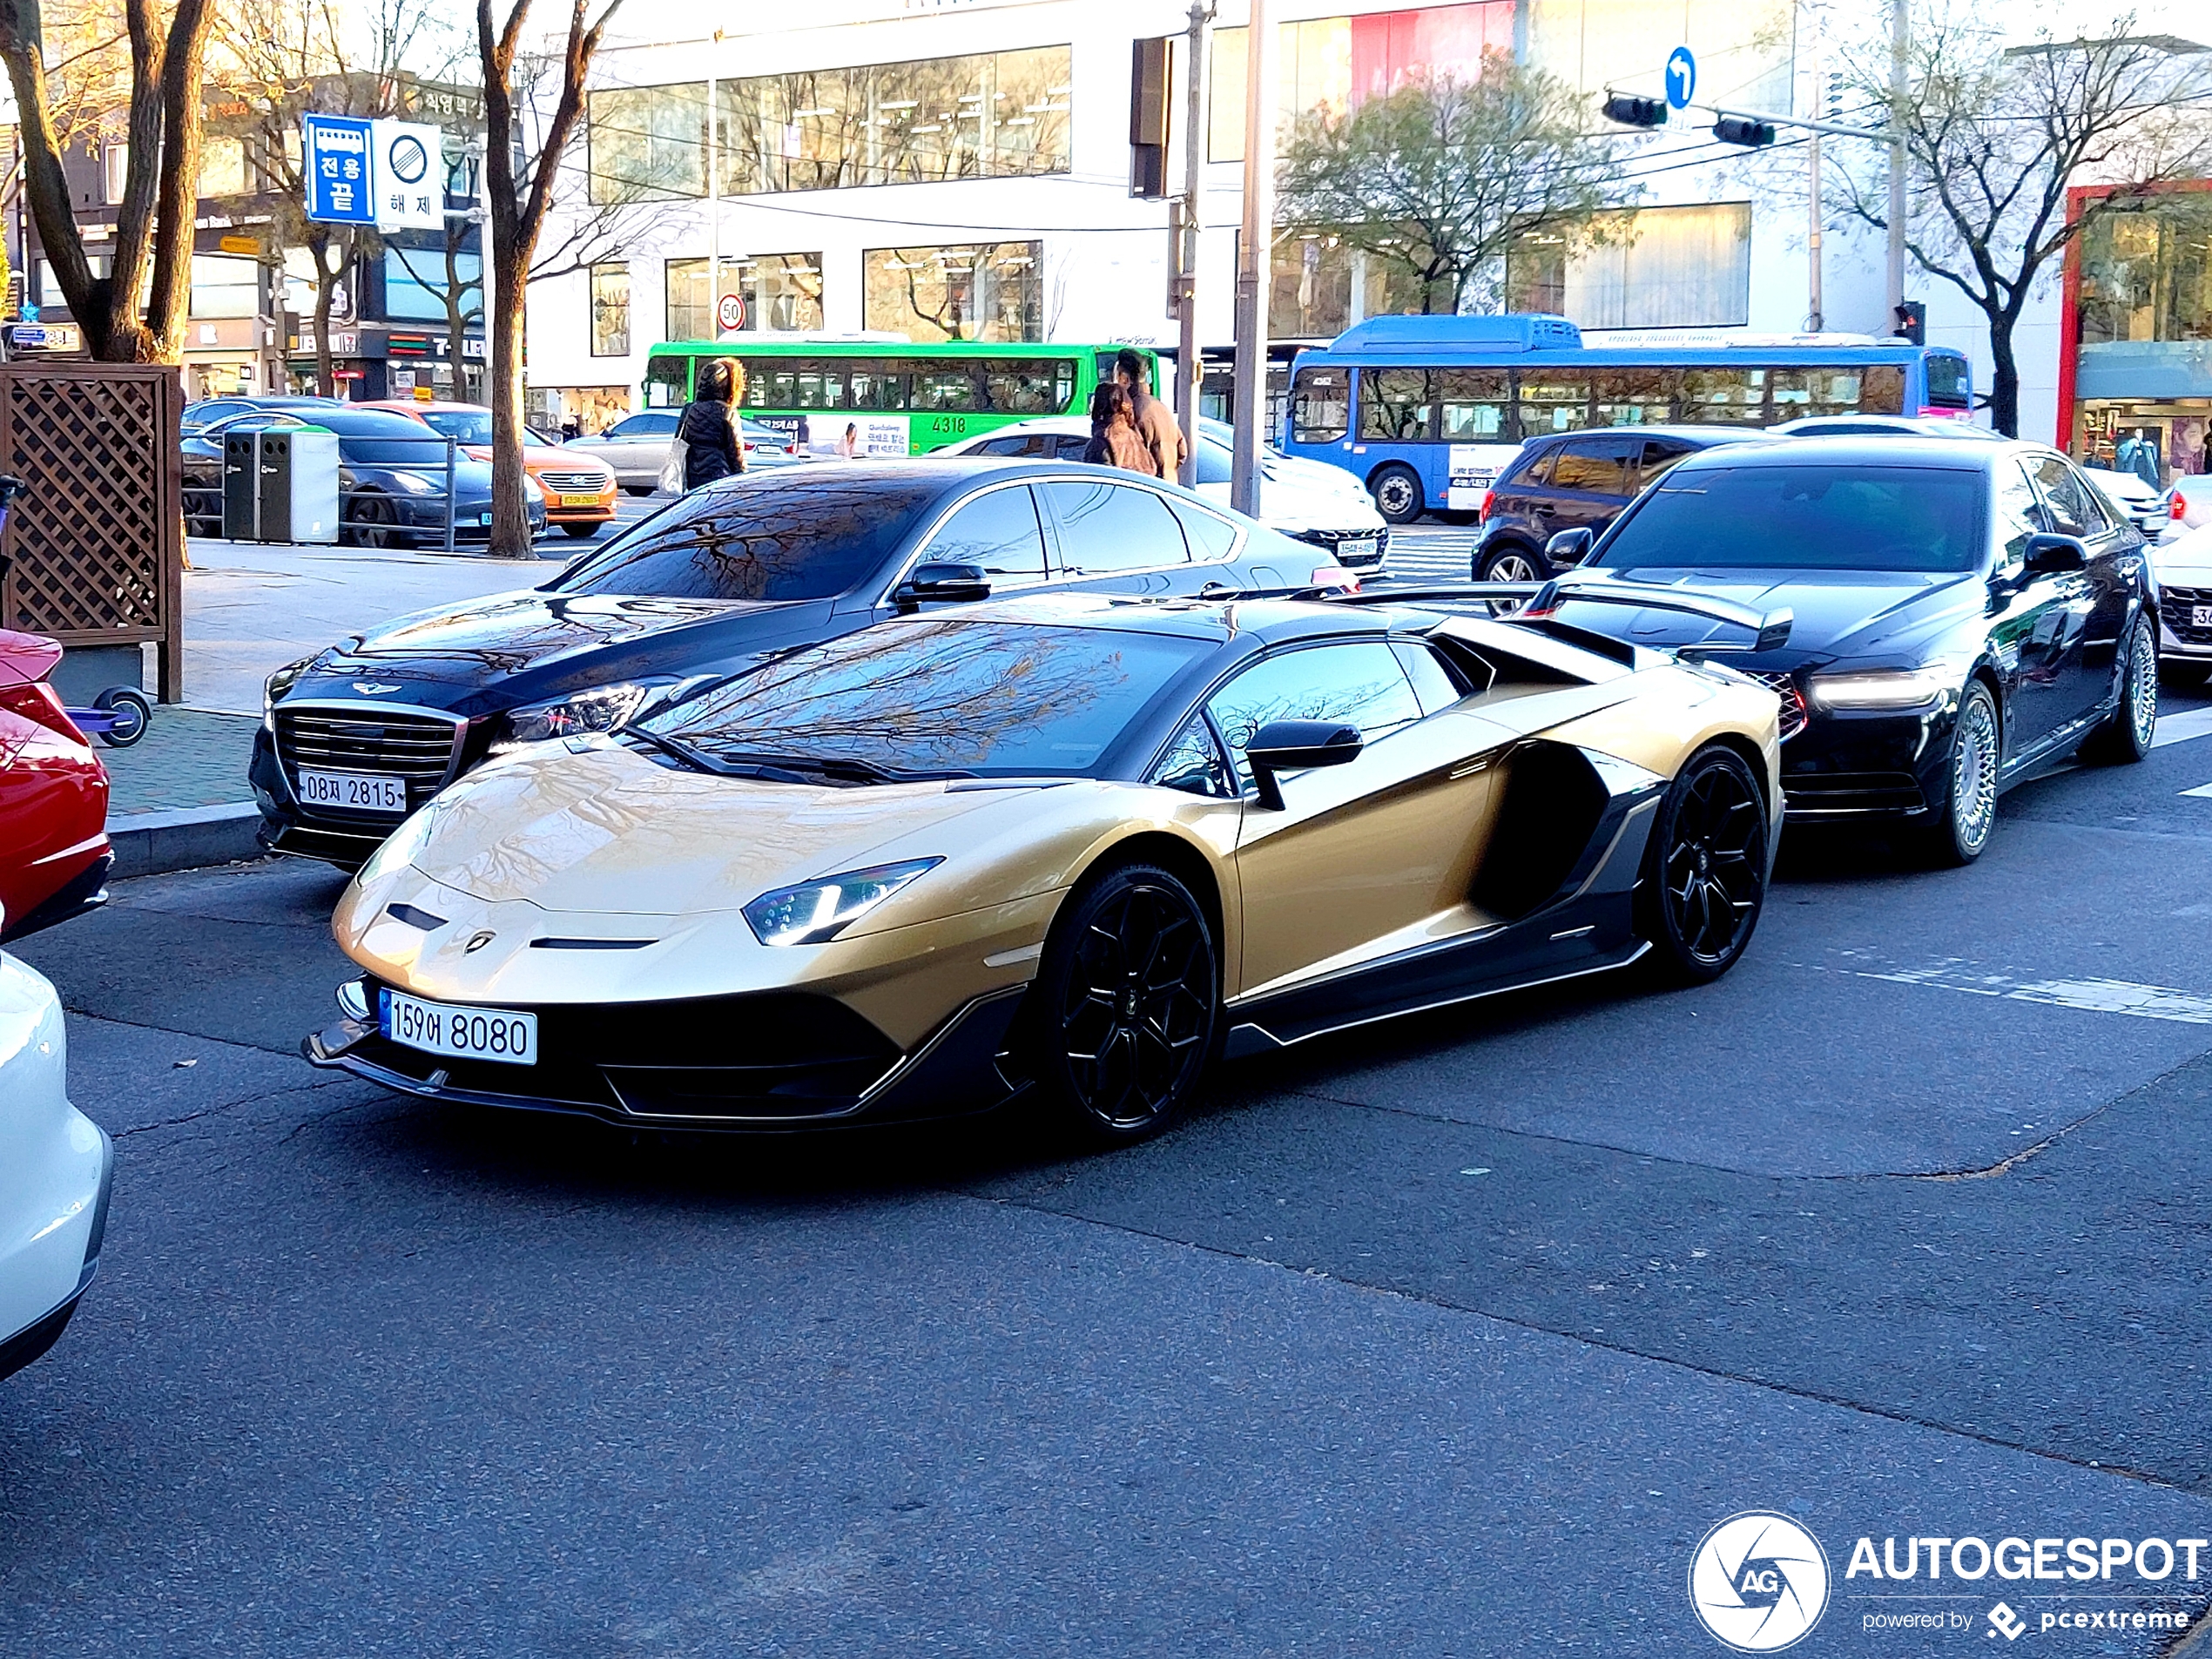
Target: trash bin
(299,477)
(242,497)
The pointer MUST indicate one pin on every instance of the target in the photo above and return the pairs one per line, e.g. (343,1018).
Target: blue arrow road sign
(1682,78)
(337,157)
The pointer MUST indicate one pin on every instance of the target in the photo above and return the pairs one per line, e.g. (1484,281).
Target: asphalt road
(1453,1338)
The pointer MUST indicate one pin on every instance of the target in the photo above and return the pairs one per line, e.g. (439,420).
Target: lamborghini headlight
(815,911)
(601,708)
(1884,688)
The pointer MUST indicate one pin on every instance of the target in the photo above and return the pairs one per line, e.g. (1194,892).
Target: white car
(56,1167)
(2183,570)
(2149,509)
(1324,507)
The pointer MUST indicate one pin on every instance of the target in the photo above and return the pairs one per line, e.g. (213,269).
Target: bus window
(1881,389)
(1826,390)
(1041,387)
(946,388)
(1729,397)
(1320,405)
(875,386)
(1553,399)
(1395,405)
(797,383)
(1473,402)
(668,382)
(1947,381)
(1636,396)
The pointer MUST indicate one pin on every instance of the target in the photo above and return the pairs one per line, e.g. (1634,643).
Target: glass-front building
(2137,358)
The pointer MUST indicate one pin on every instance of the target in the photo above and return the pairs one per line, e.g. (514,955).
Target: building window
(781,291)
(1662,268)
(415,283)
(991,292)
(115,170)
(222,166)
(610,311)
(1333,62)
(1321,287)
(988,115)
(225,287)
(2147,272)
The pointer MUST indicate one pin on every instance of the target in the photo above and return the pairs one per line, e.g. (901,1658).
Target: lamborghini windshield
(935,697)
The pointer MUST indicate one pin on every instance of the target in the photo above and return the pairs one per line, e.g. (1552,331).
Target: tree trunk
(510,525)
(326,374)
(2004,376)
(457,321)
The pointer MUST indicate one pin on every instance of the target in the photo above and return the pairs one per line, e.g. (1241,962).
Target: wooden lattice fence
(98,535)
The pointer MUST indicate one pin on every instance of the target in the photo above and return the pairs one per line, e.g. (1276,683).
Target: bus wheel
(1397,490)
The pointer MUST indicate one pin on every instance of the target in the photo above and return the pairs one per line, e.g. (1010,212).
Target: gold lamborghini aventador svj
(1072,847)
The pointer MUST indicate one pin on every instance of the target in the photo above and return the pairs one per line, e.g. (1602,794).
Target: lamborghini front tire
(1125,1005)
(1705,881)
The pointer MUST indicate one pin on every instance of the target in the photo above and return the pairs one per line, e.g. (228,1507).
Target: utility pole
(1816,314)
(1191,367)
(1898,24)
(1254,252)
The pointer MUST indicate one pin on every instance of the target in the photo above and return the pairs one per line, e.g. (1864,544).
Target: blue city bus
(1426,411)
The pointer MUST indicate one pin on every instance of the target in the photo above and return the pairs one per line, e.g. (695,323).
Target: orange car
(579,491)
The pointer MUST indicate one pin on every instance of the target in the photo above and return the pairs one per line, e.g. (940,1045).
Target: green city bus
(898,398)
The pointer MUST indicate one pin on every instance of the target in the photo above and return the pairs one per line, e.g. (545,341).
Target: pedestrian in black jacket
(709,427)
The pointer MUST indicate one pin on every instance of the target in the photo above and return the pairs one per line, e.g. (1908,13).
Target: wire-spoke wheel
(1705,873)
(1125,1003)
(2128,733)
(1968,812)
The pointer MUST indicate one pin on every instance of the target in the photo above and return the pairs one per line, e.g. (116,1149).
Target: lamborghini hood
(597,828)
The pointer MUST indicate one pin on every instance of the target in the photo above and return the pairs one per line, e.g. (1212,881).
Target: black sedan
(391,477)
(1965,614)
(359,735)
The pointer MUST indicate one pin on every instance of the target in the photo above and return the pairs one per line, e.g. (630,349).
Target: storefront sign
(248,245)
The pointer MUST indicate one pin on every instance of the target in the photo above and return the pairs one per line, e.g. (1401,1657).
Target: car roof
(1264,621)
(1699,435)
(1813,450)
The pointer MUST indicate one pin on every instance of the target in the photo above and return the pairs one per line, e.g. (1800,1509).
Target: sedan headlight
(818,910)
(415,483)
(1882,688)
(276,685)
(601,708)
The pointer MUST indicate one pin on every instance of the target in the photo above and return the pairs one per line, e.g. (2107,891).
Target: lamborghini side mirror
(1297,745)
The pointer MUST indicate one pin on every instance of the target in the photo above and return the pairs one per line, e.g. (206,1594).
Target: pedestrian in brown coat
(1114,438)
(1155,420)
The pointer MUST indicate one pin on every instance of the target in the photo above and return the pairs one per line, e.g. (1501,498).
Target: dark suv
(1572,481)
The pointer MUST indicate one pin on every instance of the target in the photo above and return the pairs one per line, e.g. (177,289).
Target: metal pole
(1255,253)
(450,481)
(1190,363)
(713,214)
(1816,317)
(1898,25)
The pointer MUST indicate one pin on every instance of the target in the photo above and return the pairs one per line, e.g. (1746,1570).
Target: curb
(157,843)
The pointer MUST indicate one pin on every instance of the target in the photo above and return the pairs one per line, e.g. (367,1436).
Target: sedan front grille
(1787,692)
(421,748)
(579,482)
(2178,606)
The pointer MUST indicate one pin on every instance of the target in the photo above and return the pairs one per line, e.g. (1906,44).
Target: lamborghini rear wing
(1770,629)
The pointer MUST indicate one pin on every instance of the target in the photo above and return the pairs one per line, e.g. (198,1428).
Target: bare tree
(1996,134)
(1440,175)
(151,250)
(520,192)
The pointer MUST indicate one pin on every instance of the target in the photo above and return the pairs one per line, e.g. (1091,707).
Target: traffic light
(1741,129)
(1632,111)
(1912,322)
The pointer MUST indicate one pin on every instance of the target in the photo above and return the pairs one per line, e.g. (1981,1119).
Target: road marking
(2094,996)
(2202,792)
(2180,728)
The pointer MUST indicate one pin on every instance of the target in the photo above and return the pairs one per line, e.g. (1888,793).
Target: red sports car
(54,854)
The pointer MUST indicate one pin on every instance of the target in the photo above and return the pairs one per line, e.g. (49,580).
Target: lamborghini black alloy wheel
(1130,989)
(1709,870)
